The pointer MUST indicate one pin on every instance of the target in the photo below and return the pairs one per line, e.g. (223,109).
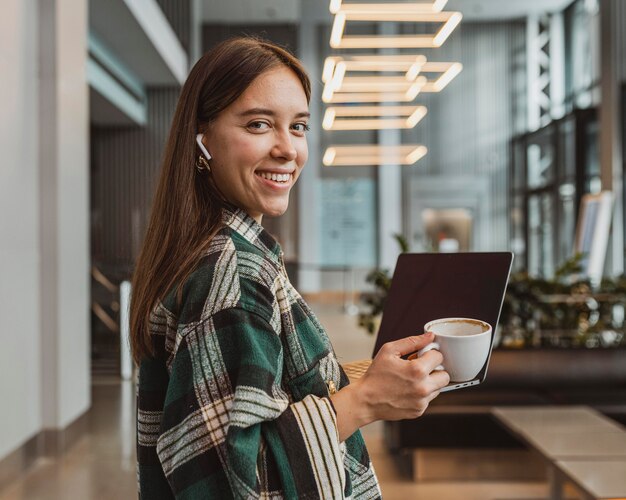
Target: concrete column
(389,186)
(389,204)
(195,49)
(63,127)
(611,161)
(309,233)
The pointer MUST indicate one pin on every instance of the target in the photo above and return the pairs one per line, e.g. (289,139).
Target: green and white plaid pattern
(235,402)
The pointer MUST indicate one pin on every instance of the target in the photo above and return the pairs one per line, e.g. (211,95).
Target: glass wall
(553,168)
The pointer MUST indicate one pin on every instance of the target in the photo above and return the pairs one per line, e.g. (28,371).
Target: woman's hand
(392,388)
(396,389)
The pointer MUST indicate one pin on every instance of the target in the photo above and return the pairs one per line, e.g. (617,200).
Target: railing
(98,307)
(110,334)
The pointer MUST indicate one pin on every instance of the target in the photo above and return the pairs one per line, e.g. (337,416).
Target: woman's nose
(284,148)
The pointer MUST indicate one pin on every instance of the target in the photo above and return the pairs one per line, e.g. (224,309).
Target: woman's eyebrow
(269,112)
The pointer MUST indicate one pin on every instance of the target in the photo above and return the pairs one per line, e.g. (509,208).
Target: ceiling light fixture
(338,40)
(339,88)
(383,83)
(412,7)
(411,65)
(372,117)
(363,155)
(381,91)
(448,72)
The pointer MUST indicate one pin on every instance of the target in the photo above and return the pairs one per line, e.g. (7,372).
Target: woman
(240,394)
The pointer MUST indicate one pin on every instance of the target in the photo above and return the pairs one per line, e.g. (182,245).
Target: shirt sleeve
(229,428)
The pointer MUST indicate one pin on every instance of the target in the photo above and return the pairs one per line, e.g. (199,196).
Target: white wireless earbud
(201,146)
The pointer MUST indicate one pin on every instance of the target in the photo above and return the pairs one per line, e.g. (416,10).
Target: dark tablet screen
(431,286)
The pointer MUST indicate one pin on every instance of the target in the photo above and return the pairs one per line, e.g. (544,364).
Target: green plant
(534,304)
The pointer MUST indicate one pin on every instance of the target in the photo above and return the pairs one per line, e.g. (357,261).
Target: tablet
(429,286)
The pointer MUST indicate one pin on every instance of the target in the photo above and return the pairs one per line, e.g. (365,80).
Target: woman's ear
(204,150)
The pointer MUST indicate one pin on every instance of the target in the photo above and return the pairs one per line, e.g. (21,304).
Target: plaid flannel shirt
(235,402)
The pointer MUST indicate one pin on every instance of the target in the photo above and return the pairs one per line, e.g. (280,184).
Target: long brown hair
(186,211)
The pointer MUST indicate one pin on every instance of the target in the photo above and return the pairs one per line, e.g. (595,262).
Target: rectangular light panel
(448,21)
(411,7)
(363,155)
(372,117)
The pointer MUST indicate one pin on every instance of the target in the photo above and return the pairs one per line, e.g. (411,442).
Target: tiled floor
(102,465)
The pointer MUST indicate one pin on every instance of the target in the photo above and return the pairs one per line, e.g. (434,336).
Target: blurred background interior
(505,132)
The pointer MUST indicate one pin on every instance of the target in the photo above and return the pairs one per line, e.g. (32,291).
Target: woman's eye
(258,126)
(301,127)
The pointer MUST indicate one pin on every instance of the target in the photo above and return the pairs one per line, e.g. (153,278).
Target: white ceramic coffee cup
(464,344)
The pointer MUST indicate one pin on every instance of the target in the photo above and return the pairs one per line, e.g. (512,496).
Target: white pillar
(64,211)
(309,233)
(389,205)
(195,49)
(389,190)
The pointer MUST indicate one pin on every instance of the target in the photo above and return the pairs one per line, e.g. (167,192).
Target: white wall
(44,207)
(19,261)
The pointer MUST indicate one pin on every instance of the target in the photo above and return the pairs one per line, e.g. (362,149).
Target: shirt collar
(239,221)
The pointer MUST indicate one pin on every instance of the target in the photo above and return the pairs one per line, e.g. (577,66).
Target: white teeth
(275,177)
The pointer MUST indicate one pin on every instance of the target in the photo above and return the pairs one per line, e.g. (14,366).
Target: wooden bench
(577,443)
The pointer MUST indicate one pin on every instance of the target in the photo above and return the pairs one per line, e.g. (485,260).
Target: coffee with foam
(460,327)
(464,344)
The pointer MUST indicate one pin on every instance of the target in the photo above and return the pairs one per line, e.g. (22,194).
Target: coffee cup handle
(430,347)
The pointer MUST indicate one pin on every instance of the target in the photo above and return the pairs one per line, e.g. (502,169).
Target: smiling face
(258,144)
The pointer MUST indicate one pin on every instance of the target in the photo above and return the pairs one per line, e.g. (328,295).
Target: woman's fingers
(440,379)
(429,360)
(407,345)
